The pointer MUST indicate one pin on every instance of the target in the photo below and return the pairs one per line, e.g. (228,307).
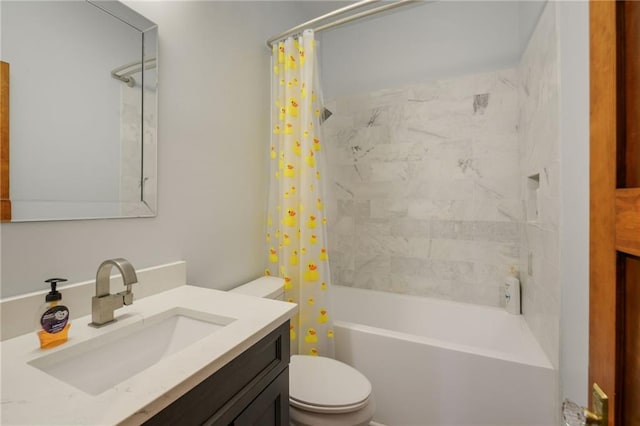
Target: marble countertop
(31,396)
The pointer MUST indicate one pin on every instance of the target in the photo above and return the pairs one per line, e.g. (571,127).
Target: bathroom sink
(102,362)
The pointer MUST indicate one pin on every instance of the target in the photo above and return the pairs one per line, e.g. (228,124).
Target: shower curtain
(296,220)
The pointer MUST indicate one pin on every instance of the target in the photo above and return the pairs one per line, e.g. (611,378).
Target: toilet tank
(266,287)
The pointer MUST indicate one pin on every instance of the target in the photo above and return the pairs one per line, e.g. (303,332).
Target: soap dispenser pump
(53,323)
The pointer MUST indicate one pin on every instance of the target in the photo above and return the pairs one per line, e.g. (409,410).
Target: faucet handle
(127,296)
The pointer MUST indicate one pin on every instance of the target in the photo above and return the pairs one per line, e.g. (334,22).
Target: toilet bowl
(322,391)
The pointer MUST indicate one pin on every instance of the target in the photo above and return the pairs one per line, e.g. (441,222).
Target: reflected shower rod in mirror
(103,137)
(309,24)
(132,68)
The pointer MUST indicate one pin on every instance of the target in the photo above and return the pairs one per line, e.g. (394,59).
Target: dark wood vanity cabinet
(252,389)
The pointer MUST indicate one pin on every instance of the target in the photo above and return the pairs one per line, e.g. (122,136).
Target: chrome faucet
(103,303)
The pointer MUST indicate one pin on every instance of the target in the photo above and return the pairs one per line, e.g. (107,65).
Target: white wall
(212,154)
(420,43)
(573,29)
(528,15)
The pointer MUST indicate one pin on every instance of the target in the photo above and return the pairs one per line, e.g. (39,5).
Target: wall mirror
(82,113)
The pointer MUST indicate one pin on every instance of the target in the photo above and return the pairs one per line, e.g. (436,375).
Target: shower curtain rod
(341,21)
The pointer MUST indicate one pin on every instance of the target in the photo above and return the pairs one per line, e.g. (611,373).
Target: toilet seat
(324,385)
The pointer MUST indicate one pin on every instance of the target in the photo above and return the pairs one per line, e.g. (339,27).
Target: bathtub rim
(433,299)
(539,359)
(472,350)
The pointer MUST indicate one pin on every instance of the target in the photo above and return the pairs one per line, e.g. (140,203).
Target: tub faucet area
(103,304)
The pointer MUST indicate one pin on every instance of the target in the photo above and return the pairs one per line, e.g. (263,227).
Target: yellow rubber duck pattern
(296,234)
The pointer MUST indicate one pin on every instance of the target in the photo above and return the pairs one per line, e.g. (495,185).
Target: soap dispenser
(52,318)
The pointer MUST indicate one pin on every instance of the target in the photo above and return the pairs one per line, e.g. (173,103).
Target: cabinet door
(223,396)
(271,407)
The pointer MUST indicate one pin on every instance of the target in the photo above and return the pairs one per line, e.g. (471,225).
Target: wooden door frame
(5,201)
(603,348)
(614,209)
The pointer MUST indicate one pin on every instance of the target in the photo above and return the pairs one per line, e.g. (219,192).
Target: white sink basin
(104,361)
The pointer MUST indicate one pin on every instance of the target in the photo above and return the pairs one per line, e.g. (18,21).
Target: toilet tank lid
(266,287)
(325,382)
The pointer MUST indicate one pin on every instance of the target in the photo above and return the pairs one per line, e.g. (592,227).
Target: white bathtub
(434,362)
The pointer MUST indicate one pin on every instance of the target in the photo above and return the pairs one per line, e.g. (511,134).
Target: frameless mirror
(83,110)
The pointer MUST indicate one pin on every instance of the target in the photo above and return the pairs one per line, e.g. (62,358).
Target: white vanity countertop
(31,396)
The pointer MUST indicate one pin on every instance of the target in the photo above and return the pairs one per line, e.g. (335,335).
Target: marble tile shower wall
(132,149)
(424,187)
(131,152)
(540,164)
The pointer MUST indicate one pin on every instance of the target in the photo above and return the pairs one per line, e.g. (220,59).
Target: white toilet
(322,391)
